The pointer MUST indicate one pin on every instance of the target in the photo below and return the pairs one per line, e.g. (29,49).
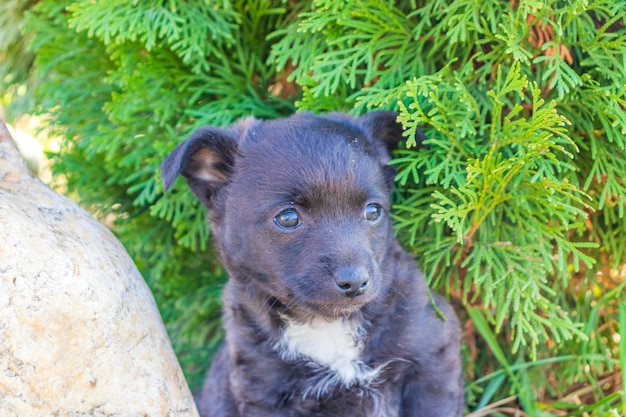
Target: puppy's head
(299,207)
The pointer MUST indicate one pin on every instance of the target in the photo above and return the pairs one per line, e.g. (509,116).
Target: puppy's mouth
(335,307)
(346,311)
(297,307)
(326,295)
(305,309)
(337,311)
(330,311)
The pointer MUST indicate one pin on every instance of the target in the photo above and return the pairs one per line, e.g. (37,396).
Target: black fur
(336,267)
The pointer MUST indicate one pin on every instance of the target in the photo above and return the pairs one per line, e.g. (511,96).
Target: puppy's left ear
(383,127)
(206,160)
(384,131)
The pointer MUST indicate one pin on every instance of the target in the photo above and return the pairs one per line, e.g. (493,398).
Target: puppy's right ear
(206,160)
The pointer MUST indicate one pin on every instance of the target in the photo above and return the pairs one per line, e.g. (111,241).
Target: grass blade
(482,326)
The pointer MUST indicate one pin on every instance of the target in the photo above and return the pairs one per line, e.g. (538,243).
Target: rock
(80,333)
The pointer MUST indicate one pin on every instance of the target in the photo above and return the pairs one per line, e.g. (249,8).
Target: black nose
(352,281)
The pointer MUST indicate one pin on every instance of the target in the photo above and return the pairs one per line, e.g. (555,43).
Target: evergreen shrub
(515,207)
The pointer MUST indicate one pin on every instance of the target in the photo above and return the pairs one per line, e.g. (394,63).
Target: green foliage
(513,179)
(15,59)
(514,204)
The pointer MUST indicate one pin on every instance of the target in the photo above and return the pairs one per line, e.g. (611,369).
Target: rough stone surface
(80,334)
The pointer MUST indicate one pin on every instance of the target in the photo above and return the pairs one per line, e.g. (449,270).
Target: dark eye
(287,219)
(373,212)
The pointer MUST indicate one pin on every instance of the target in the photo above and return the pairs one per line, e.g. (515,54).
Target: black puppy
(325,314)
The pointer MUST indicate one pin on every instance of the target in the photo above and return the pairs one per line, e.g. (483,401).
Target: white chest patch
(334,344)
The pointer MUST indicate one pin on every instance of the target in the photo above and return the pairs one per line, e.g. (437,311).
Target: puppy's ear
(385,133)
(382,127)
(206,160)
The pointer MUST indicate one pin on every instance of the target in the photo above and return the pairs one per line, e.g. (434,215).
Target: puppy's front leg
(439,395)
(226,393)
(215,399)
(434,388)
